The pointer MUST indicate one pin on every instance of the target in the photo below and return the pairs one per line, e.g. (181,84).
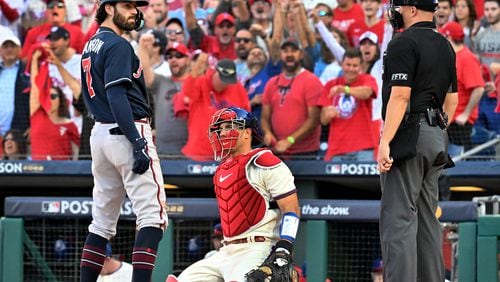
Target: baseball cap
(227,71)
(179,47)
(217,231)
(160,39)
(10,37)
(290,41)
(370,36)
(58,32)
(224,17)
(175,20)
(453,30)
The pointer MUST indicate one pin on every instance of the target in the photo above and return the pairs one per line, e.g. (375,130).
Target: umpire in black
(419,90)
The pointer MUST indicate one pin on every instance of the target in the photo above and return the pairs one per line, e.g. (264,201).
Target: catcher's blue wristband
(289,226)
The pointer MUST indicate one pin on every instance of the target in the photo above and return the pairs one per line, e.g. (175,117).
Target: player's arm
(289,207)
(279,181)
(34,92)
(122,112)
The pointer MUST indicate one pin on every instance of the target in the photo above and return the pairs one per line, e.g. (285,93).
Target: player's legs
(205,270)
(145,191)
(242,258)
(399,221)
(108,195)
(429,235)
(108,192)
(147,195)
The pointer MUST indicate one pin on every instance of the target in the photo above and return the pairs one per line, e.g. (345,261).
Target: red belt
(143,120)
(245,240)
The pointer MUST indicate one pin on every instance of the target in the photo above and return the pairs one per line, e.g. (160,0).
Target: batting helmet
(239,119)
(139,3)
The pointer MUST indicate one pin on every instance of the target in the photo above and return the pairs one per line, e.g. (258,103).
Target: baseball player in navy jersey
(258,206)
(124,158)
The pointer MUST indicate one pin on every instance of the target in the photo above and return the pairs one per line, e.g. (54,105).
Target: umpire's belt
(245,240)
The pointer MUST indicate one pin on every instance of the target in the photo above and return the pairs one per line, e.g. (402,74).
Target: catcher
(258,206)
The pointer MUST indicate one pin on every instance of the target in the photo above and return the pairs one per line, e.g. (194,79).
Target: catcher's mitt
(278,267)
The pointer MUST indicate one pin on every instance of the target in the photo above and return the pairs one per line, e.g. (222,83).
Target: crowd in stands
(310,71)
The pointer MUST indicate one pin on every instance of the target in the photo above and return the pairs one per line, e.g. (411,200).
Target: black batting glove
(141,159)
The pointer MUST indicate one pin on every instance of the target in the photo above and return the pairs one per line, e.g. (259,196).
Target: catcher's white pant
(229,264)
(112,161)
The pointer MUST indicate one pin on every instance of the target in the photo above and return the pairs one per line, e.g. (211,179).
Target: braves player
(124,158)
(258,206)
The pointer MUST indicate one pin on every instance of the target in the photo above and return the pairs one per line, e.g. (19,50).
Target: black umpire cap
(426,5)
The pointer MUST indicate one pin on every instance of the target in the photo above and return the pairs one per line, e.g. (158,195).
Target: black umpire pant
(410,233)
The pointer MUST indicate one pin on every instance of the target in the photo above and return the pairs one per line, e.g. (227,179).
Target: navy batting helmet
(139,3)
(239,119)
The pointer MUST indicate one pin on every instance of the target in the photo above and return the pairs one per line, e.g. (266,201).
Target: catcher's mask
(237,119)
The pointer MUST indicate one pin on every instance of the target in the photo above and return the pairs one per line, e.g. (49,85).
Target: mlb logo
(51,207)
(333,169)
(194,169)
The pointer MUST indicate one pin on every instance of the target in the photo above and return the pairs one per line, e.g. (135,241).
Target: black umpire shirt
(423,59)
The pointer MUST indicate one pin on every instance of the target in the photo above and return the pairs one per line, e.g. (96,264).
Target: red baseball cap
(224,17)
(453,30)
(179,47)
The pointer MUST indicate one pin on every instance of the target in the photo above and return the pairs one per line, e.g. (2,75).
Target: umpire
(419,90)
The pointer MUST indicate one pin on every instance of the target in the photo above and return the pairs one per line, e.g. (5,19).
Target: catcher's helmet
(139,3)
(239,119)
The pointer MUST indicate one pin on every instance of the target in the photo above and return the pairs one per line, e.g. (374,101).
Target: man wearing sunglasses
(124,158)
(245,41)
(170,106)
(419,91)
(56,16)
(174,30)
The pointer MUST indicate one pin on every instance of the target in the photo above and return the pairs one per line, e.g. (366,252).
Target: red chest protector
(240,205)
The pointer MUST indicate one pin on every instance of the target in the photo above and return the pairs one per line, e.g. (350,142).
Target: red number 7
(86,65)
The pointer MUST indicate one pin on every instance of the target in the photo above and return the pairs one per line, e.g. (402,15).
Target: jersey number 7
(86,66)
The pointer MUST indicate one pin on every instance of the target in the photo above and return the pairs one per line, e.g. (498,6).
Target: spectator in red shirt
(221,44)
(208,91)
(53,135)
(347,107)
(56,16)
(346,13)
(290,109)
(372,22)
(470,90)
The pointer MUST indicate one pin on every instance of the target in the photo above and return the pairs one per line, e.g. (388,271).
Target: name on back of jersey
(93,45)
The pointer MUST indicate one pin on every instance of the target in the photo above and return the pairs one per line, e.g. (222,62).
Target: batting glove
(141,159)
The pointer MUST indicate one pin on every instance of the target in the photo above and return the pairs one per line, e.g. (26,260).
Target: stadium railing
(41,237)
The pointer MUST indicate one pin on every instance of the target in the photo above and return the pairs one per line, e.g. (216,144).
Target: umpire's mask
(395,17)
